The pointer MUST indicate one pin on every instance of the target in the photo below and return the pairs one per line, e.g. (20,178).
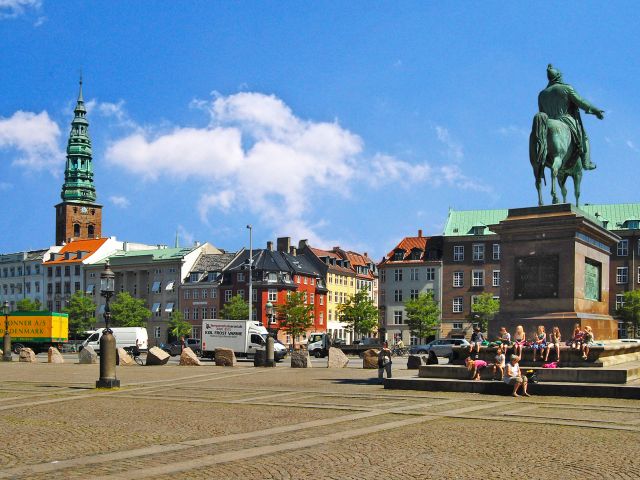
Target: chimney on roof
(303,244)
(420,233)
(283,244)
(270,246)
(293,250)
(196,243)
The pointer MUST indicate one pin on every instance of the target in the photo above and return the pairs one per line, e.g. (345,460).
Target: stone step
(488,387)
(621,374)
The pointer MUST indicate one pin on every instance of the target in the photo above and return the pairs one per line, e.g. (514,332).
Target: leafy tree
(28,305)
(630,311)
(359,313)
(81,310)
(423,315)
(127,311)
(235,309)
(178,327)
(484,309)
(295,316)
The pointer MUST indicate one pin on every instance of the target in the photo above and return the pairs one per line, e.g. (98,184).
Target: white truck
(244,337)
(125,337)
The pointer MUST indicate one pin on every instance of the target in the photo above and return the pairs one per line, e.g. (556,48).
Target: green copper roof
(463,222)
(155,255)
(612,216)
(615,214)
(78,173)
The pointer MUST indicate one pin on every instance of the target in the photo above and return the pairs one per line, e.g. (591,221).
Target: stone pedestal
(554,271)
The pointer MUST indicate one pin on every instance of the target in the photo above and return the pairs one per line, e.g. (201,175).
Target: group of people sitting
(509,373)
(541,343)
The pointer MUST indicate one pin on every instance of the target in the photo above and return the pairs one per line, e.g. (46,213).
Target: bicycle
(135,354)
(397,351)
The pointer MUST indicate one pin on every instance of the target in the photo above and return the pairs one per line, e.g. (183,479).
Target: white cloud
(632,146)
(36,139)
(257,155)
(513,130)
(119,201)
(222,201)
(454,149)
(186,236)
(16,8)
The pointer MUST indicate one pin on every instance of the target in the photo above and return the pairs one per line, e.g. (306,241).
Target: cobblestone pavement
(283,423)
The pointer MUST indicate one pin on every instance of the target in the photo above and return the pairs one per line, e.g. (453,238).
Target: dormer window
(478,230)
(416,253)
(398,255)
(632,224)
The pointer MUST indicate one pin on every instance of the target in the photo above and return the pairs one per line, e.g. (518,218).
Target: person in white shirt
(513,376)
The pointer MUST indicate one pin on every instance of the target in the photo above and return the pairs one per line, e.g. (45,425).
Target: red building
(276,273)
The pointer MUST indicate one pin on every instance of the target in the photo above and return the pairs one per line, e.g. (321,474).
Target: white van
(125,337)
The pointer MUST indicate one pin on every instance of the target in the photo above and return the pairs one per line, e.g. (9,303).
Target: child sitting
(578,338)
(498,365)
(474,367)
(476,340)
(539,342)
(588,340)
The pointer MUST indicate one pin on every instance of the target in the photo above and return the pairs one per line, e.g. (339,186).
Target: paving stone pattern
(282,423)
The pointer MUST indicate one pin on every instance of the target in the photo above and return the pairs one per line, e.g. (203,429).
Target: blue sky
(348,123)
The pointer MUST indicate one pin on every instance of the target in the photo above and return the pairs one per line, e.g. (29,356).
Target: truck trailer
(244,337)
(37,330)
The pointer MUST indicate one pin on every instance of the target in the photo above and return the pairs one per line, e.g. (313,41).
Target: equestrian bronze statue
(558,140)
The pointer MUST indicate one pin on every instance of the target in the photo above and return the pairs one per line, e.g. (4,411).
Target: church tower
(78,216)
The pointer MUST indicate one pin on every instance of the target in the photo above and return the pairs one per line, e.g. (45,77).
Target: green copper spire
(78,173)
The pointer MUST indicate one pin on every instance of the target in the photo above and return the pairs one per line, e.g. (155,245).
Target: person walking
(384,361)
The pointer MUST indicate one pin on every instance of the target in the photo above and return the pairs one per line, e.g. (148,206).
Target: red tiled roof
(90,246)
(409,243)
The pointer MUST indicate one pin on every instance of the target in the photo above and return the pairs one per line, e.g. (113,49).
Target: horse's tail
(538,144)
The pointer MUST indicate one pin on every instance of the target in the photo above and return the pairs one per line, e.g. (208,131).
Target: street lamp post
(6,343)
(107,341)
(250,271)
(269,360)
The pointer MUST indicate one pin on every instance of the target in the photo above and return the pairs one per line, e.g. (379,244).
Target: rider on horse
(561,102)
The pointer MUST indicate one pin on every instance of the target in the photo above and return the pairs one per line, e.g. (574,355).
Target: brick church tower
(78,216)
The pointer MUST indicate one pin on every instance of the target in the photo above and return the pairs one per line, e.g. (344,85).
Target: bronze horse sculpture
(558,140)
(550,146)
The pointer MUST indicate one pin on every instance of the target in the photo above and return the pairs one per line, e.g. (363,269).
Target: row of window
(339,279)
(203,293)
(622,275)
(398,295)
(427,274)
(477,278)
(7,272)
(623,247)
(67,271)
(478,252)
(16,289)
(58,288)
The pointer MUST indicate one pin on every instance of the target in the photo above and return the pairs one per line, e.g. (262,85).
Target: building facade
(22,276)
(153,275)
(199,294)
(413,267)
(64,270)
(276,274)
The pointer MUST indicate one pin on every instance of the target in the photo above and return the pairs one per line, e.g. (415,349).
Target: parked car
(442,347)
(175,347)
